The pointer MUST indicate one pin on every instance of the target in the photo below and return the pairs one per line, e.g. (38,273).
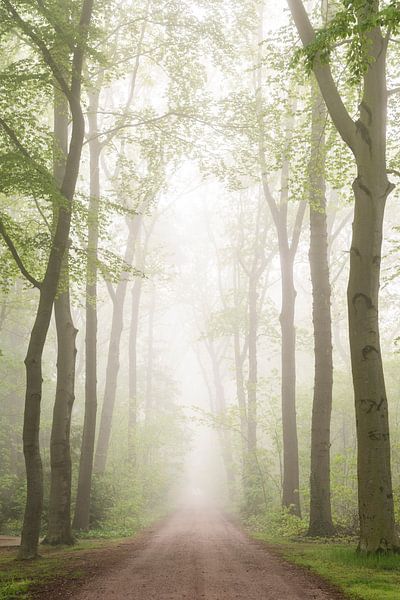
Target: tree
(320,487)
(49,285)
(82,503)
(361,22)
(59,517)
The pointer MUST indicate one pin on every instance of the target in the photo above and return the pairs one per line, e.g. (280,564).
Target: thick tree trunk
(320,523)
(59,524)
(377,526)
(375,493)
(290,492)
(82,505)
(113,357)
(371,189)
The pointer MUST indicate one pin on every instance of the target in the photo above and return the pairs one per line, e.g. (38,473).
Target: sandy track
(199,554)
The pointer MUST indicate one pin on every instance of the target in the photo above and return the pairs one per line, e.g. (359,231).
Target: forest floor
(360,577)
(194,554)
(198,554)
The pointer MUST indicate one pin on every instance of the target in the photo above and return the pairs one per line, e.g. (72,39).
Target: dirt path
(199,554)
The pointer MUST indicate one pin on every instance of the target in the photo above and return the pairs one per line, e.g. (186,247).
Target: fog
(198,226)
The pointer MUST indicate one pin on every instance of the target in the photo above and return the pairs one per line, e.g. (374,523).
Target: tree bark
(59,520)
(59,524)
(290,491)
(320,522)
(82,505)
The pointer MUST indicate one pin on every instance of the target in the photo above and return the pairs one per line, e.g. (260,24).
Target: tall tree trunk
(82,505)
(59,520)
(241,394)
(290,492)
(252,379)
(113,357)
(59,524)
(367,139)
(148,400)
(133,372)
(150,356)
(320,523)
(48,289)
(371,189)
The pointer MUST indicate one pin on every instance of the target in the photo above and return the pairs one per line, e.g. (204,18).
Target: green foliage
(276,525)
(14,589)
(351,25)
(375,577)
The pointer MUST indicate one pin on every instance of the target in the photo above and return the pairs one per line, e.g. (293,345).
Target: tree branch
(297,227)
(333,100)
(8,241)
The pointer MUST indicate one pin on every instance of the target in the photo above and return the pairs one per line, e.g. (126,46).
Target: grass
(19,578)
(360,577)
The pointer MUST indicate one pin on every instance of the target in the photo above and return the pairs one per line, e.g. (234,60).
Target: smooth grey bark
(320,520)
(366,137)
(48,287)
(82,504)
(113,363)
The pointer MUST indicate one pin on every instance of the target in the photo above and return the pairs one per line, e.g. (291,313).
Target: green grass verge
(359,577)
(18,578)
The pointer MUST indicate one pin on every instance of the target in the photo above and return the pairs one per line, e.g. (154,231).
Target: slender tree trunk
(252,380)
(320,523)
(113,357)
(148,400)
(48,289)
(133,373)
(82,505)
(224,434)
(240,356)
(290,493)
(240,393)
